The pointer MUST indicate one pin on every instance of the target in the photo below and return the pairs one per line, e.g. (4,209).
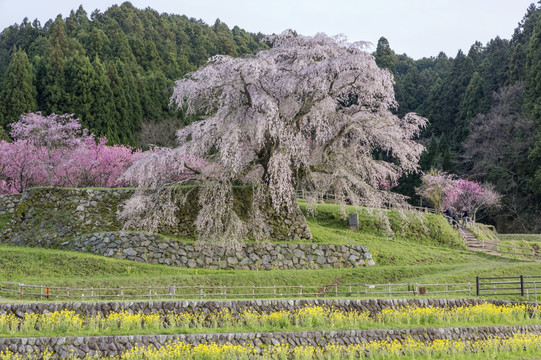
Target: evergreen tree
(3,134)
(104,115)
(83,80)
(519,44)
(53,84)
(19,92)
(385,57)
(532,90)
(428,159)
(444,160)
(532,86)
(473,97)
(126,133)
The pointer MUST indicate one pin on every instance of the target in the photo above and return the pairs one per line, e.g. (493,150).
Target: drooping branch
(308,112)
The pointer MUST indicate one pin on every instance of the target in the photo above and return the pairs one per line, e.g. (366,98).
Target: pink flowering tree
(433,188)
(95,164)
(309,113)
(470,196)
(442,190)
(20,167)
(54,136)
(56,151)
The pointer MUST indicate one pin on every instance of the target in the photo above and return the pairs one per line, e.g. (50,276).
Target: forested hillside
(484,108)
(114,70)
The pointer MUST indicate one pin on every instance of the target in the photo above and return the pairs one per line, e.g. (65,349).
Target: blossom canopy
(308,113)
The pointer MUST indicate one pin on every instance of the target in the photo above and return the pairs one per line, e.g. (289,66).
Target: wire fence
(516,252)
(531,287)
(333,198)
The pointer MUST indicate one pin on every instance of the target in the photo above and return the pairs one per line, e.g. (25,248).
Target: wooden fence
(509,285)
(515,252)
(204,292)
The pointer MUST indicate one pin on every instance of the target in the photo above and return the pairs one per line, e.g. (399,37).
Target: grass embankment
(4,219)
(525,237)
(423,249)
(485,232)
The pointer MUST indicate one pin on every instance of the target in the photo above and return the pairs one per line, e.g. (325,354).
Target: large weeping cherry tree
(310,113)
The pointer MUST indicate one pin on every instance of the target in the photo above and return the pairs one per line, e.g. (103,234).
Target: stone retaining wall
(265,306)
(263,256)
(8,203)
(104,346)
(46,217)
(156,249)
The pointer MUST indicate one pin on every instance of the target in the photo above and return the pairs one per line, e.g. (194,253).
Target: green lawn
(525,237)
(420,250)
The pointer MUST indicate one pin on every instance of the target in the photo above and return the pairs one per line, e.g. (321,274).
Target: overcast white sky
(418,28)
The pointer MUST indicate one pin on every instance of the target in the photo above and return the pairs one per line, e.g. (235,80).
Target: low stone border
(8,203)
(265,256)
(266,306)
(156,249)
(116,345)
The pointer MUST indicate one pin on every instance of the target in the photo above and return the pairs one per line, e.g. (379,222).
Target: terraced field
(276,325)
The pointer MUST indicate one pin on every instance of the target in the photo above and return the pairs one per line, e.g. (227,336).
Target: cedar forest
(115,70)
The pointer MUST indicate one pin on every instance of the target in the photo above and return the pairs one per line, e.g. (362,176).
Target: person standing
(464,216)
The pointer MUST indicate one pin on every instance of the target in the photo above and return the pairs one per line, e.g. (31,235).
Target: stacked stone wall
(105,346)
(47,217)
(8,203)
(373,306)
(86,220)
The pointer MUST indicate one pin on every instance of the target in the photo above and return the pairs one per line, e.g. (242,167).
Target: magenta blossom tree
(20,167)
(309,113)
(470,196)
(94,163)
(56,151)
(442,190)
(54,135)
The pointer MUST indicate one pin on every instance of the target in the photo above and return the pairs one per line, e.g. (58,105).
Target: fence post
(477,285)
(336,290)
(200,291)
(275,291)
(521,285)
(300,291)
(225,292)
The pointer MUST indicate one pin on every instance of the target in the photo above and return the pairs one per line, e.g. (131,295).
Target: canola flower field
(520,346)
(307,318)
(526,346)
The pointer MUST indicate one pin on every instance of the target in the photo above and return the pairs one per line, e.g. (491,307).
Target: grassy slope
(427,252)
(526,237)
